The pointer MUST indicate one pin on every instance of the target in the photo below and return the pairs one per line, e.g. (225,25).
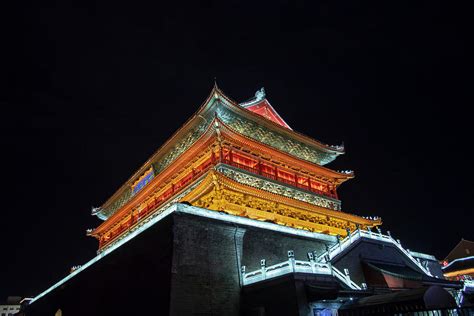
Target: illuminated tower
(238,158)
(234,210)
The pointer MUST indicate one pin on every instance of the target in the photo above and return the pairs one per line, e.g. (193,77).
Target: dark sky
(89,91)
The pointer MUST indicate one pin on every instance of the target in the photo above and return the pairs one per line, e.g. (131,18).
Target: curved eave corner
(99,212)
(214,96)
(374,221)
(329,158)
(343,176)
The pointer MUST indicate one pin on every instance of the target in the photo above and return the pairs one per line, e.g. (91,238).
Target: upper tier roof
(260,105)
(255,119)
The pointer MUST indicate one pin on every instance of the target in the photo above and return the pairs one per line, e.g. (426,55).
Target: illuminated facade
(237,209)
(241,159)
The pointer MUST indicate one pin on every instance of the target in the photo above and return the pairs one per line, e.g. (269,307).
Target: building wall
(189,263)
(274,246)
(208,254)
(183,265)
(205,271)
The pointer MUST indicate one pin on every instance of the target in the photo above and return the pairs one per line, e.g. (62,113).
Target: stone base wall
(183,265)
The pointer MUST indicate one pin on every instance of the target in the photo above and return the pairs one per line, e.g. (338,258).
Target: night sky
(89,91)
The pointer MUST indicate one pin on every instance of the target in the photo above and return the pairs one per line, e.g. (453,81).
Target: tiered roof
(246,119)
(241,159)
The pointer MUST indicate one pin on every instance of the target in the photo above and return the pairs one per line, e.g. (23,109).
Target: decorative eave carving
(279,188)
(215,180)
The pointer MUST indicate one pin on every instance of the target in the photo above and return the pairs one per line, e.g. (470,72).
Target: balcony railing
(296,266)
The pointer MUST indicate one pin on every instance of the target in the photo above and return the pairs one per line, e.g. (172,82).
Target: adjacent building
(459,265)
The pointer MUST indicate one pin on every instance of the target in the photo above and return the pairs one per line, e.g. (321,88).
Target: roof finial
(216,89)
(260,94)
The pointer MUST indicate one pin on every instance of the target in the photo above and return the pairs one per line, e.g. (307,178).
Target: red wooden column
(332,190)
(230,156)
(132,218)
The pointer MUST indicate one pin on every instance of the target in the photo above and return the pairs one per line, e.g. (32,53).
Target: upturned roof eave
(188,124)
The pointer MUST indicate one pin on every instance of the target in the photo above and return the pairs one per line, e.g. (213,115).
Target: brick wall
(207,255)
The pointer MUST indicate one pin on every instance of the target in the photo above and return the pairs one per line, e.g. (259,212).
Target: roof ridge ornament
(216,89)
(337,147)
(345,171)
(260,94)
(96,210)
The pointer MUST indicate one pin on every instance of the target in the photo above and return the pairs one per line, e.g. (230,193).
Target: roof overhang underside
(421,299)
(402,276)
